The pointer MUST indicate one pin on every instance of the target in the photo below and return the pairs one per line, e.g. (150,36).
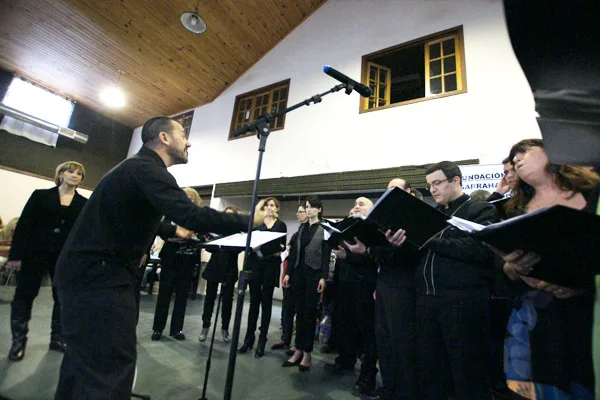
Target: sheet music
(239,239)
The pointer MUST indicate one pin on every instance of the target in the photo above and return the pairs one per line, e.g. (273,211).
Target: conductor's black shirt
(121,218)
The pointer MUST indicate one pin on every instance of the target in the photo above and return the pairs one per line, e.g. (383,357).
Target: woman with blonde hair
(265,264)
(39,237)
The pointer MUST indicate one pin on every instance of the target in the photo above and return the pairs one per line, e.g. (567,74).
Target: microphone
(361,89)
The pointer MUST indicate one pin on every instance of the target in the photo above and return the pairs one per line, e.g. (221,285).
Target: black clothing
(121,218)
(221,268)
(39,236)
(355,314)
(97,268)
(495,196)
(266,271)
(227,290)
(44,223)
(177,265)
(452,315)
(455,260)
(99,362)
(305,279)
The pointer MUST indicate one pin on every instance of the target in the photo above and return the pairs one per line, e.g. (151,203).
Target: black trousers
(99,330)
(356,315)
(33,269)
(174,278)
(305,283)
(395,334)
(226,305)
(261,300)
(288,312)
(453,343)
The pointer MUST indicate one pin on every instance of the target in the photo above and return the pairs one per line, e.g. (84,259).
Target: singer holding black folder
(452,310)
(549,347)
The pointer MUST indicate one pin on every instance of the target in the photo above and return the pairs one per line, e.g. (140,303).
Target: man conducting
(96,271)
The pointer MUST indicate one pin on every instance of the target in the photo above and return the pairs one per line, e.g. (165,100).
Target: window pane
(434,50)
(435,85)
(381,90)
(449,47)
(371,103)
(276,96)
(450,83)
(382,76)
(449,64)
(373,73)
(435,68)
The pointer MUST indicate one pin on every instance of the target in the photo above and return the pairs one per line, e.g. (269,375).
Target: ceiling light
(193,22)
(113,96)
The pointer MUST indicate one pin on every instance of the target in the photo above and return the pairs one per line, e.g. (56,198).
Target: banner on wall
(481,177)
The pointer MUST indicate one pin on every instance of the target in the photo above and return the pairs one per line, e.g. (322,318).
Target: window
(185,119)
(249,106)
(423,69)
(38,102)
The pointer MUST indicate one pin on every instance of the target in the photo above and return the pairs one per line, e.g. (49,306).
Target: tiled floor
(169,369)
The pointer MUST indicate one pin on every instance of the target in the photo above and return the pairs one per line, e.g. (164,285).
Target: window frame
(461,72)
(253,96)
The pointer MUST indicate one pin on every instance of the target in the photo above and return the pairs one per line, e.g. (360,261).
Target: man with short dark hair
(507,183)
(452,319)
(96,271)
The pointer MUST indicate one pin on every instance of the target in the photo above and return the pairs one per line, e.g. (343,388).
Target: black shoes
(178,336)
(17,349)
(260,348)
(303,368)
(364,388)
(288,363)
(337,368)
(280,345)
(156,335)
(245,348)
(57,345)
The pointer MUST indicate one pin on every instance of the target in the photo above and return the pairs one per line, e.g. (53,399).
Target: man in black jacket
(96,271)
(452,314)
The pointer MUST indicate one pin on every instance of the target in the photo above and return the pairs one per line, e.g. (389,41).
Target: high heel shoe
(303,368)
(260,348)
(245,348)
(289,363)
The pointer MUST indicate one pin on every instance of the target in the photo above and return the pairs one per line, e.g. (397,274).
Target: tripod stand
(261,126)
(212,342)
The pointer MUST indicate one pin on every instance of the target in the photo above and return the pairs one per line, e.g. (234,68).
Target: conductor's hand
(286,282)
(13,266)
(340,253)
(183,233)
(396,239)
(321,286)
(358,248)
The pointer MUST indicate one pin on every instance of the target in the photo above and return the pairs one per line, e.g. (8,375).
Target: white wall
(483,123)
(18,187)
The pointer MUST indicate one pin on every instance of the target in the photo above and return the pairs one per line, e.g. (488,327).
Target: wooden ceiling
(77,47)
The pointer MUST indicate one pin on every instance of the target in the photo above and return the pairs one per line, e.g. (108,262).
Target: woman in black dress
(39,236)
(265,264)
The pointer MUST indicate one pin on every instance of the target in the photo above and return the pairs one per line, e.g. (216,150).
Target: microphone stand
(212,342)
(261,126)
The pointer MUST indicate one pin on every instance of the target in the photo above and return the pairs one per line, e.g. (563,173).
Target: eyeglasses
(436,183)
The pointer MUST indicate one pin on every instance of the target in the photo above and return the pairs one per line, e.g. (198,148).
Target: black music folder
(567,240)
(397,209)
(351,227)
